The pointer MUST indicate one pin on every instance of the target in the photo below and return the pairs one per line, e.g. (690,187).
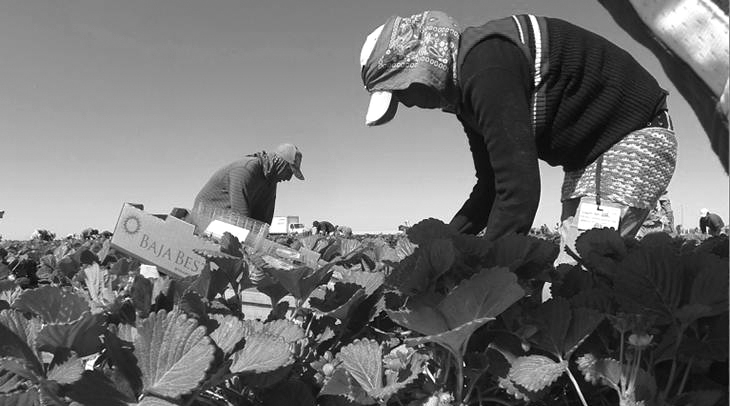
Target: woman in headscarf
(526,88)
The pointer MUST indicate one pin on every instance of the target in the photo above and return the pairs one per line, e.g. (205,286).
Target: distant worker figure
(710,222)
(660,218)
(528,88)
(344,231)
(324,227)
(248,186)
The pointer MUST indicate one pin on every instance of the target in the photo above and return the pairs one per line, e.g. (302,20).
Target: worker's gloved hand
(461,223)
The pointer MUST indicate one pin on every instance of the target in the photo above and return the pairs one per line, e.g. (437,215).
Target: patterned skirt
(634,172)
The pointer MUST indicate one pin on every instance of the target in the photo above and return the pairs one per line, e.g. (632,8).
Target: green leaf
(81,336)
(423,319)
(486,294)
(10,382)
(404,248)
(228,268)
(710,284)
(708,397)
(582,324)
(154,401)
(261,353)
(13,346)
(228,333)
(524,255)
(606,371)
(68,372)
(412,275)
(428,230)
(370,281)
(711,348)
(338,302)
(454,340)
(287,330)
(649,280)
(342,384)
(687,314)
(363,360)
(141,294)
(173,353)
(52,303)
(96,282)
(26,329)
(536,372)
(300,281)
(291,393)
(30,397)
(121,355)
(251,327)
(554,318)
(120,267)
(21,368)
(562,328)
(601,250)
(9,291)
(441,256)
(471,304)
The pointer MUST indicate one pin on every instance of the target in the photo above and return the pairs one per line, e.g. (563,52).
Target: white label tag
(592,216)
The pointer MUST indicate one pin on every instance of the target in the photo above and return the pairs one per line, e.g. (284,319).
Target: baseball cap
(291,154)
(704,212)
(383,105)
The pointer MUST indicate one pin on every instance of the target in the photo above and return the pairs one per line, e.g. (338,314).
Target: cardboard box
(203,217)
(164,241)
(291,256)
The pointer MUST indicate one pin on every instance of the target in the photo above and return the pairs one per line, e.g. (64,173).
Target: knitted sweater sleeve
(238,183)
(495,90)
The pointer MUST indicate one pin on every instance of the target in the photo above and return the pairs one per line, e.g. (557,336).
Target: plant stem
(472,385)
(684,378)
(673,370)
(458,360)
(633,374)
(309,325)
(622,378)
(577,388)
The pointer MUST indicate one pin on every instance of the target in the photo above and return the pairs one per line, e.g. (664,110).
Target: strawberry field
(430,318)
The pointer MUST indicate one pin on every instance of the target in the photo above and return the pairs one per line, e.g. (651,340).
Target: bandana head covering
(272,165)
(421,49)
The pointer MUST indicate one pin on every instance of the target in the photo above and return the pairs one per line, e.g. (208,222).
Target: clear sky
(104,102)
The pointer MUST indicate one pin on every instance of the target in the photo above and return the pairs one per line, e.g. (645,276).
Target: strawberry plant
(431,317)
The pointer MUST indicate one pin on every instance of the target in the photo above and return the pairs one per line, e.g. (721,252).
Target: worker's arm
(473,215)
(507,192)
(269,213)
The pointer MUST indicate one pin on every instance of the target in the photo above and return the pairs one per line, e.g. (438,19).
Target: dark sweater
(712,223)
(242,187)
(591,95)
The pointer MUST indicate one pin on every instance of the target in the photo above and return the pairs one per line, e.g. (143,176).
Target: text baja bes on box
(164,241)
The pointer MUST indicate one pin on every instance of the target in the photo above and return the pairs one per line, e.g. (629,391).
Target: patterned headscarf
(422,49)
